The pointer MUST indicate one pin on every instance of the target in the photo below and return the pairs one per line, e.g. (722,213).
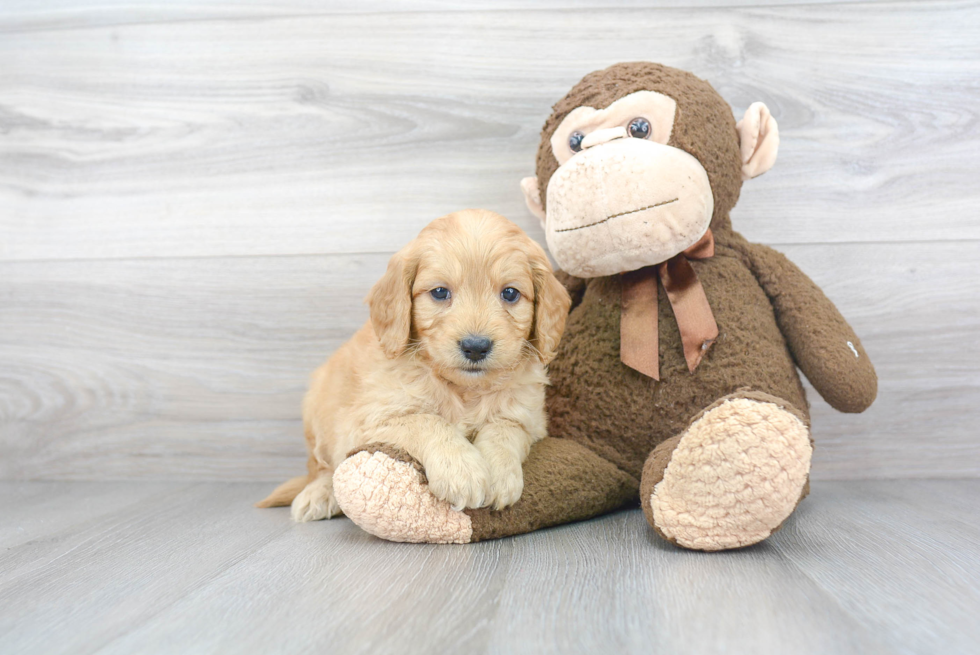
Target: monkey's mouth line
(609,218)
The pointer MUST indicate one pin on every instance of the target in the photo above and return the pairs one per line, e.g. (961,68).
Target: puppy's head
(473,297)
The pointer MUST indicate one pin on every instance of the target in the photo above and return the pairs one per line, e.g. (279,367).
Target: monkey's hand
(822,343)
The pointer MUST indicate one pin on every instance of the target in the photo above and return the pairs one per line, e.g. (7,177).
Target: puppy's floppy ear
(551,304)
(390,300)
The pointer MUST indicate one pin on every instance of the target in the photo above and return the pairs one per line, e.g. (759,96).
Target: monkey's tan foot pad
(383,490)
(733,477)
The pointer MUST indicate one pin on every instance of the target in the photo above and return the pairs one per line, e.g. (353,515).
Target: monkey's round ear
(758,137)
(532,196)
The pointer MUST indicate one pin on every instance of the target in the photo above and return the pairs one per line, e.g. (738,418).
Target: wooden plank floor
(126,567)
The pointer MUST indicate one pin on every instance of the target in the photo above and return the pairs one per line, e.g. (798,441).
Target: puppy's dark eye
(575,141)
(639,128)
(439,293)
(510,294)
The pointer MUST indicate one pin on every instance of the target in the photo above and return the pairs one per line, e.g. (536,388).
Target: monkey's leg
(383,490)
(731,478)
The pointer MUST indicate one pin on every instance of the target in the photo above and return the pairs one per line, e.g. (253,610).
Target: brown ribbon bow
(638,331)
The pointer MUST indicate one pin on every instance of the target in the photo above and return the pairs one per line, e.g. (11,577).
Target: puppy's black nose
(475,348)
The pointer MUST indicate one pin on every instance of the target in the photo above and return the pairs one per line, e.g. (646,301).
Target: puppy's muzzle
(475,348)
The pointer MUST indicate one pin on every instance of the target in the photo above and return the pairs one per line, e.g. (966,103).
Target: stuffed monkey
(676,381)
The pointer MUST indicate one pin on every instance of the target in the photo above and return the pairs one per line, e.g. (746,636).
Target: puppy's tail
(284,493)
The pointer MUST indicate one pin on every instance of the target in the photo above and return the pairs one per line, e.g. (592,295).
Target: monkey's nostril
(475,348)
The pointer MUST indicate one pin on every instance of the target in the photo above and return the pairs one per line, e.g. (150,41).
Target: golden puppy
(450,368)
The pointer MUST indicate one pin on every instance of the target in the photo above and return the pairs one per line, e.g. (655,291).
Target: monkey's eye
(440,293)
(510,295)
(575,141)
(639,128)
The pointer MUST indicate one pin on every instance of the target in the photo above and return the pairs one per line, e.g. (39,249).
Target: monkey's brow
(607,218)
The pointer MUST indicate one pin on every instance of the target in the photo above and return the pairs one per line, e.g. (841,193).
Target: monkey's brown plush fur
(741,416)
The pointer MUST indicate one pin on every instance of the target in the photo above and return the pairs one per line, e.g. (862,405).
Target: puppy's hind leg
(285,493)
(316,501)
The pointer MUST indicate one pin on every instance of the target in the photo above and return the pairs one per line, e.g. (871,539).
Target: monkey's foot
(383,490)
(732,478)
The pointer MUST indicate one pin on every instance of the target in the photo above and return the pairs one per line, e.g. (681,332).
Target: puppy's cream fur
(403,380)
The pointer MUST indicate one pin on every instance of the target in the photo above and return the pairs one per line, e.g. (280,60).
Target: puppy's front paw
(459,475)
(315,501)
(506,474)
(506,486)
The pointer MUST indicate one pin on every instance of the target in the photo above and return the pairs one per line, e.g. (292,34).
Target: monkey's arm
(822,343)
(574,285)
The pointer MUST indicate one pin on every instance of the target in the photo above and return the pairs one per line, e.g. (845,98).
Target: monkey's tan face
(622,198)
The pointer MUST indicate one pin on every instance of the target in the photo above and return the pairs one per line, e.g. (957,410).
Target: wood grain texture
(195,368)
(168,368)
(27,15)
(34,512)
(346,133)
(195,569)
(194,199)
(886,536)
(170,543)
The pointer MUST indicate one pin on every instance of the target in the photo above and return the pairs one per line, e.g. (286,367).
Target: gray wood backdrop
(194,199)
